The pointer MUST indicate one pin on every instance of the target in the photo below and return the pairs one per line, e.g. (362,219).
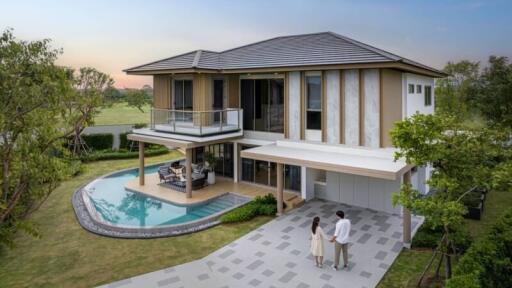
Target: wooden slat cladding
(234,91)
(391,102)
(162,91)
(302,106)
(323,103)
(342,107)
(361,107)
(286,107)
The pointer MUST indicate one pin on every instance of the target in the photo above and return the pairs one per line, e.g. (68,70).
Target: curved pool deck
(182,223)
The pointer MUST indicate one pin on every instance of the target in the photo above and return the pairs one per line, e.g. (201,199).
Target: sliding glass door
(183,99)
(263,104)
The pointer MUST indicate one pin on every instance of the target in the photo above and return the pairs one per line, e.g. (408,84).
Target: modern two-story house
(309,114)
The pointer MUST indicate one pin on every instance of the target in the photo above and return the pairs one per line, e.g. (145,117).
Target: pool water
(118,206)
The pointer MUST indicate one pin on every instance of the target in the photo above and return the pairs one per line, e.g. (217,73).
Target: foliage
(502,176)
(210,159)
(109,154)
(90,88)
(137,98)
(488,262)
(427,237)
(264,206)
(140,125)
(494,90)
(33,125)
(453,93)
(100,141)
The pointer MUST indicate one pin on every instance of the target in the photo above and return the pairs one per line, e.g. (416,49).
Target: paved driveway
(277,254)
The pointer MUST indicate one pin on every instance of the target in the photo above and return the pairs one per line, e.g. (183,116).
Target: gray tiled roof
(324,48)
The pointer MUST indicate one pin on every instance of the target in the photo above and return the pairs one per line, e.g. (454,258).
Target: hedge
(123,154)
(488,262)
(260,206)
(99,141)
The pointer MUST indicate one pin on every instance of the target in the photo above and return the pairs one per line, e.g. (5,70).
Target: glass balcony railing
(196,123)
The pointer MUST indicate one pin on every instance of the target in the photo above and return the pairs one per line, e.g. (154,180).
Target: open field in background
(409,265)
(121,113)
(69,256)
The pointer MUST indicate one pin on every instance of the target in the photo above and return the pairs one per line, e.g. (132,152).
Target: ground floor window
(265,173)
(224,154)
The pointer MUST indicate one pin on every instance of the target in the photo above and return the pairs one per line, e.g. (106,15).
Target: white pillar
(142,176)
(188,171)
(406,215)
(303,183)
(236,155)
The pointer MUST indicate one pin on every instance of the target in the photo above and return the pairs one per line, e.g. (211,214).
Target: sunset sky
(114,35)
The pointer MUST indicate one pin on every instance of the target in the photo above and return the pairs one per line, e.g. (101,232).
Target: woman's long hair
(316,221)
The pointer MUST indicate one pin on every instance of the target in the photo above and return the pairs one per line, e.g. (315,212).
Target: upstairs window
(313,103)
(418,89)
(411,88)
(428,95)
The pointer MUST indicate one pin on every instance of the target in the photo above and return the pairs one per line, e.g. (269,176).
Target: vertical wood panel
(323,105)
(381,132)
(302,108)
(391,81)
(342,107)
(361,107)
(234,91)
(286,107)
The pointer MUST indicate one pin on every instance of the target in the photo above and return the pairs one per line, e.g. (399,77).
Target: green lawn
(121,113)
(409,265)
(69,256)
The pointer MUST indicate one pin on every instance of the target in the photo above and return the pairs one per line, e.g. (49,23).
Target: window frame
(411,88)
(308,110)
(419,89)
(427,97)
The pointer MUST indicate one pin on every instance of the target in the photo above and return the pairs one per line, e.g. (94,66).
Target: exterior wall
(415,102)
(361,191)
(371,113)
(294,105)
(351,109)
(332,129)
(162,91)
(233,91)
(391,85)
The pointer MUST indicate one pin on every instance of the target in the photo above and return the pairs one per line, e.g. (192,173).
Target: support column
(236,156)
(406,215)
(280,189)
(188,171)
(142,176)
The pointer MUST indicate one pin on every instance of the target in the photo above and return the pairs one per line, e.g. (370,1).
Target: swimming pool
(111,207)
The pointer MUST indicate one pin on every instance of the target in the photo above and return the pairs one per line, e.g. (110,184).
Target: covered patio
(376,163)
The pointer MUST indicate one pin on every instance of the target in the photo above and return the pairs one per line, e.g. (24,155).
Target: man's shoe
(335,268)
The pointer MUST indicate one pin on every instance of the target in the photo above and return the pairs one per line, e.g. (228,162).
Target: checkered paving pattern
(277,254)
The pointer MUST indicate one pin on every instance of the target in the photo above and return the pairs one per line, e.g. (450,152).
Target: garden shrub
(488,261)
(122,154)
(99,141)
(260,206)
(123,141)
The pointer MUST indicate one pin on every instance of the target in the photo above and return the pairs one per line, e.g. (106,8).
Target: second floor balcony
(196,123)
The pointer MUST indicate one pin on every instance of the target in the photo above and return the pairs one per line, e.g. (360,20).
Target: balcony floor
(222,185)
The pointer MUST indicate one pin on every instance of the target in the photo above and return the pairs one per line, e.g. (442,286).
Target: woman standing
(317,242)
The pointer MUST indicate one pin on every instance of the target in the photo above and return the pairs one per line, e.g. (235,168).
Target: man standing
(340,240)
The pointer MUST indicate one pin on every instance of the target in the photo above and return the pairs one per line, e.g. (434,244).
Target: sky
(114,35)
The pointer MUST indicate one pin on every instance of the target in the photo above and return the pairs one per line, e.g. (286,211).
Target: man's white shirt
(342,231)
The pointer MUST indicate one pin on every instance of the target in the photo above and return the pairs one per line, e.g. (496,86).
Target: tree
(90,88)
(462,158)
(454,92)
(137,98)
(494,92)
(33,122)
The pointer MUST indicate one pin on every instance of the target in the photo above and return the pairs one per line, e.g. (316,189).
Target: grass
(69,256)
(121,113)
(409,265)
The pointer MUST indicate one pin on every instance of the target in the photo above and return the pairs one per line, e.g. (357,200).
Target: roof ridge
(195,62)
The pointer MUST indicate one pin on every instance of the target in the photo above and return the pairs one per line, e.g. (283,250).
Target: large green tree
(453,93)
(137,98)
(35,119)
(462,157)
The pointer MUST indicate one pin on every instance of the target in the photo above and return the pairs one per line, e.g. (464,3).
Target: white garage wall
(366,192)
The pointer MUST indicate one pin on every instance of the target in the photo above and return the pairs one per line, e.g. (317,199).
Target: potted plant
(211,161)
